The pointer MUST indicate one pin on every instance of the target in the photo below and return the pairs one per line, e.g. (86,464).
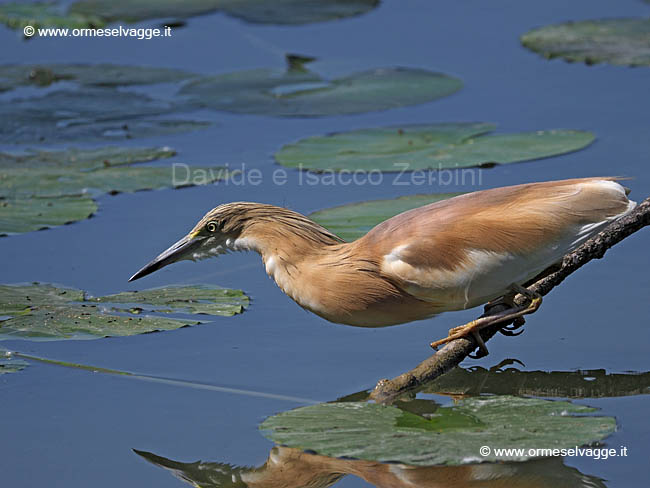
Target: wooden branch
(455,351)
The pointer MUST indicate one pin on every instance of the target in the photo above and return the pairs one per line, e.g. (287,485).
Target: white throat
(243,244)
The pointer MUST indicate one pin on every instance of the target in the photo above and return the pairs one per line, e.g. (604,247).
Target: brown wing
(451,243)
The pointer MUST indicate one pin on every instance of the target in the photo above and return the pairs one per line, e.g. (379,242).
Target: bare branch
(455,351)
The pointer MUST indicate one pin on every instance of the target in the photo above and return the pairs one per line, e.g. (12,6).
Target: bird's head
(244,226)
(216,233)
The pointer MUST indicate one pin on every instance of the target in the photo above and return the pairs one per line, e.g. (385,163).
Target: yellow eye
(212,227)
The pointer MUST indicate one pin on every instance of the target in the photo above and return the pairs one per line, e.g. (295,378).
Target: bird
(455,254)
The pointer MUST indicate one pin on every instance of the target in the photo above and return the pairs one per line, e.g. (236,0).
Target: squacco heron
(450,255)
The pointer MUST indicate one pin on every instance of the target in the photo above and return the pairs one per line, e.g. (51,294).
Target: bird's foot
(514,315)
(472,328)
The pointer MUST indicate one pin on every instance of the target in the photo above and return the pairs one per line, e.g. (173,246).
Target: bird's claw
(482,350)
(456,334)
(513,316)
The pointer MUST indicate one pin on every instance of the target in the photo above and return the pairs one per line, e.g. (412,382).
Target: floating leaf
(9,364)
(354,220)
(42,311)
(74,171)
(14,75)
(428,146)
(84,159)
(257,11)
(388,434)
(614,41)
(19,15)
(90,114)
(53,183)
(18,215)
(299,92)
(48,188)
(203,300)
(296,11)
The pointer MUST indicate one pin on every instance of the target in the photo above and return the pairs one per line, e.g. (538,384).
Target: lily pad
(22,214)
(90,114)
(19,15)
(47,312)
(74,172)
(427,146)
(14,75)
(354,220)
(84,159)
(614,41)
(298,92)
(257,11)
(54,183)
(201,300)
(41,189)
(388,434)
(9,364)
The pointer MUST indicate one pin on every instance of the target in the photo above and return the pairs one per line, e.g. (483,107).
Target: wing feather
(472,247)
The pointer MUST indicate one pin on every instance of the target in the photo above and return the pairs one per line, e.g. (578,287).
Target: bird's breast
(345,295)
(293,282)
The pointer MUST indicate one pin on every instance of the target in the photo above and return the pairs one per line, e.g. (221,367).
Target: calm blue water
(70,428)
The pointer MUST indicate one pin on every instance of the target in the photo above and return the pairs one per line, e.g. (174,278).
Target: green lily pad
(14,75)
(388,434)
(73,172)
(84,159)
(257,11)
(19,15)
(41,189)
(354,220)
(9,364)
(298,92)
(47,312)
(202,300)
(89,114)
(54,183)
(428,146)
(26,214)
(614,41)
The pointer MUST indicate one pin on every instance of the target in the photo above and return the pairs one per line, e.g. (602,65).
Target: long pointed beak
(177,252)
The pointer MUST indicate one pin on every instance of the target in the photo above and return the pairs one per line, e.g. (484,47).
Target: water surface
(71,428)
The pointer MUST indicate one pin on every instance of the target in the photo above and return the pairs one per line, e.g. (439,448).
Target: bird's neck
(287,242)
(342,282)
(276,232)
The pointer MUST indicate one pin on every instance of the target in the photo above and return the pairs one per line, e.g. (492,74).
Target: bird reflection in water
(293,468)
